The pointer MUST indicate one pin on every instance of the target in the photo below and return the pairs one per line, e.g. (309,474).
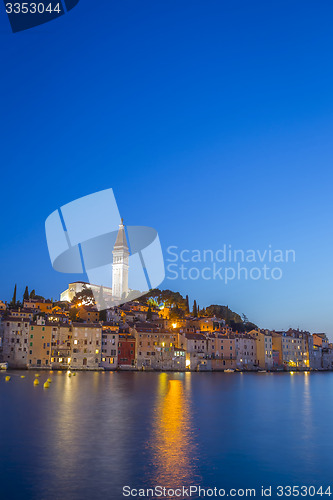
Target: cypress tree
(32,294)
(195,310)
(187,305)
(26,294)
(14,296)
(149,316)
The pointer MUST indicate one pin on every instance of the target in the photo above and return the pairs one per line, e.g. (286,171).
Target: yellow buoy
(7,378)
(49,380)
(74,374)
(37,375)
(69,374)
(36,381)
(46,385)
(22,376)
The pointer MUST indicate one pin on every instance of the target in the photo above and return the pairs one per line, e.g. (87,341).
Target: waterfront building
(87,346)
(195,346)
(327,358)
(264,348)
(320,340)
(315,355)
(157,349)
(15,333)
(110,346)
(221,350)
(294,351)
(39,343)
(277,349)
(276,359)
(246,352)
(126,351)
(61,347)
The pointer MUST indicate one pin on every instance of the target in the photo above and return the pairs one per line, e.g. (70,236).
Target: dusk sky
(211,120)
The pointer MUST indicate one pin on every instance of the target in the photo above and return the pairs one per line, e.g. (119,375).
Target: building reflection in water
(172,445)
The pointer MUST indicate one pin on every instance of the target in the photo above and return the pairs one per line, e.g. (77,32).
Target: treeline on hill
(178,305)
(179,308)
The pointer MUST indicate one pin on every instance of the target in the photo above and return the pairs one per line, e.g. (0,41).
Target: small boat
(3,366)
(262,371)
(229,370)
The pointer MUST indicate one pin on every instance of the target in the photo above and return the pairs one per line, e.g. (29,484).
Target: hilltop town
(159,331)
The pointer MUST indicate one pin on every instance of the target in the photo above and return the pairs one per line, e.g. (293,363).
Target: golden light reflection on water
(307,407)
(172,443)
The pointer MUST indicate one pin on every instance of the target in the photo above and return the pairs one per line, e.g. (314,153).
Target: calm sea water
(87,436)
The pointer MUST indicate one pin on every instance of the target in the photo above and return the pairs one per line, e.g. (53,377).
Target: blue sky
(212,121)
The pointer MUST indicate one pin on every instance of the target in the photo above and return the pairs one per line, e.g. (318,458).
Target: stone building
(87,346)
(61,349)
(195,346)
(39,343)
(246,352)
(110,341)
(15,333)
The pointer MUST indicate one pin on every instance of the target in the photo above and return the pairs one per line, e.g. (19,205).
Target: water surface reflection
(174,452)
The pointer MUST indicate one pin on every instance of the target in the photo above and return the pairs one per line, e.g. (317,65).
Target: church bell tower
(120,265)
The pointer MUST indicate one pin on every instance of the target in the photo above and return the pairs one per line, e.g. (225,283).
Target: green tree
(32,294)
(26,294)
(85,297)
(13,302)
(187,305)
(245,319)
(176,313)
(149,316)
(223,312)
(73,314)
(195,309)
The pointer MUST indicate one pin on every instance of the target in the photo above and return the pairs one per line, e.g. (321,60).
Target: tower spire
(120,264)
